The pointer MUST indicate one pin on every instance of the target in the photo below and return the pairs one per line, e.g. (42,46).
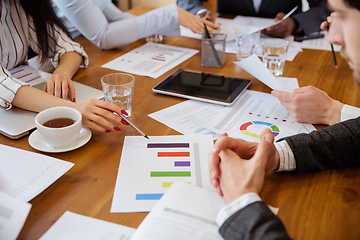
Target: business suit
(309,21)
(336,146)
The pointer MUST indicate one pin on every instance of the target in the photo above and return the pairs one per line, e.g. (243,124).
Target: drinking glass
(274,52)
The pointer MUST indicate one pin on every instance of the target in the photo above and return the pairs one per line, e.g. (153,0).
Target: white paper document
(24,174)
(252,113)
(255,67)
(149,167)
(185,212)
(13,214)
(151,59)
(189,117)
(318,44)
(72,226)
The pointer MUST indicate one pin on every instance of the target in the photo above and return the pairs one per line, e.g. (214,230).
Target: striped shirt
(17,33)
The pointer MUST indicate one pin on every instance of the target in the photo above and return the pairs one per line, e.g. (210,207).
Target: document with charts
(252,113)
(149,167)
(151,59)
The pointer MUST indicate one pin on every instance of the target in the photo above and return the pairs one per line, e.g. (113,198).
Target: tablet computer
(201,86)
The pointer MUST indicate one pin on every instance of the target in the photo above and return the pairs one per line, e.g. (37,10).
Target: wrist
(296,25)
(334,115)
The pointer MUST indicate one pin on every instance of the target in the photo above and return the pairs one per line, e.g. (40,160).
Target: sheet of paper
(252,113)
(257,24)
(189,117)
(290,84)
(151,59)
(27,74)
(149,167)
(13,213)
(318,44)
(255,67)
(72,226)
(185,212)
(24,174)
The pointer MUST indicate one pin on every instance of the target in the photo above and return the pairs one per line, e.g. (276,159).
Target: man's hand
(310,105)
(283,29)
(239,176)
(59,86)
(325,25)
(196,24)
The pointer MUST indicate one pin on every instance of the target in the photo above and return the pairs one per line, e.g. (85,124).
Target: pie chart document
(252,113)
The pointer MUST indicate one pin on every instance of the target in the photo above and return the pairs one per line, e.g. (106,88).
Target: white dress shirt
(108,27)
(17,34)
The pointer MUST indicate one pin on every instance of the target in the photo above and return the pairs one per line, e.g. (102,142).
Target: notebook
(16,123)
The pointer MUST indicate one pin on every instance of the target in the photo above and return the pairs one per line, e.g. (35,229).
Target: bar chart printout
(149,167)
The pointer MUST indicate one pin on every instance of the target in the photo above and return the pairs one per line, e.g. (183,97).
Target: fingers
(266,148)
(279,16)
(282,96)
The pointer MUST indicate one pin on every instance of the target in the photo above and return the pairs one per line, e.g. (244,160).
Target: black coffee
(59,122)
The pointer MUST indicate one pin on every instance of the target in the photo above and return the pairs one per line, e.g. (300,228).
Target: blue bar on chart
(149,196)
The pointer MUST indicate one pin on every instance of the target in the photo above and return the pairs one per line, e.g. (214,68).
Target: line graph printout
(151,59)
(253,112)
(149,167)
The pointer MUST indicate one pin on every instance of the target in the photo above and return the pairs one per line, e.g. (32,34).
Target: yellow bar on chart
(168,184)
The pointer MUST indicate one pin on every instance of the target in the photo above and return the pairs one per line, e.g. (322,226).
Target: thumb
(266,148)
(279,16)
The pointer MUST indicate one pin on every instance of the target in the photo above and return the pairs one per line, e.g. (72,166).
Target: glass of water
(118,88)
(246,42)
(274,52)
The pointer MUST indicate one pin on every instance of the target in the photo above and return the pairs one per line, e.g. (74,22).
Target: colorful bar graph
(173,154)
(168,145)
(182,164)
(149,196)
(171,174)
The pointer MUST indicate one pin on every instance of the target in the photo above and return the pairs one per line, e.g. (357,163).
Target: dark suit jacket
(309,21)
(336,146)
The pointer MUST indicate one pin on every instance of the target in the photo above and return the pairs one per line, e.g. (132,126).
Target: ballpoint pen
(207,35)
(331,45)
(131,124)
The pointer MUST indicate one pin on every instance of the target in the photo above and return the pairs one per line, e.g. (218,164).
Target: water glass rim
(113,74)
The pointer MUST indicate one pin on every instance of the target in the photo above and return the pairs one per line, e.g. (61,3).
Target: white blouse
(17,33)
(108,27)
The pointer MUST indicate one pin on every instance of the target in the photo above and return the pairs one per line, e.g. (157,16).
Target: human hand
(283,29)
(208,15)
(311,105)
(239,176)
(196,24)
(59,86)
(97,113)
(242,148)
(325,25)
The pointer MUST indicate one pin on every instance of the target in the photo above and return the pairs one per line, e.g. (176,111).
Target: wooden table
(313,205)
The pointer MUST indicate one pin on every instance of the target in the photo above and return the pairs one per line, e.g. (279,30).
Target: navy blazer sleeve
(310,20)
(255,221)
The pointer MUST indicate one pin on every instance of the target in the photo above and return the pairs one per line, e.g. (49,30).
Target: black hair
(44,19)
(353,3)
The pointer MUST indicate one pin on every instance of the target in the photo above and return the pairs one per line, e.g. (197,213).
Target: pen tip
(336,66)
(146,136)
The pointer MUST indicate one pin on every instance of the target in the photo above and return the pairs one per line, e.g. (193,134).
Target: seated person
(24,24)
(307,22)
(237,167)
(108,27)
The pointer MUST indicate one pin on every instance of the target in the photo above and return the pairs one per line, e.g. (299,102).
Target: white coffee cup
(59,137)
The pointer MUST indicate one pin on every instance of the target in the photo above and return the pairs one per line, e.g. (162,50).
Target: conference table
(312,205)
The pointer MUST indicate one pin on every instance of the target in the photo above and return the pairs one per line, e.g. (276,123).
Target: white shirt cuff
(349,112)
(287,159)
(236,205)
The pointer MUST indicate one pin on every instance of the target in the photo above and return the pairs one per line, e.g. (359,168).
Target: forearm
(69,64)
(192,6)
(39,100)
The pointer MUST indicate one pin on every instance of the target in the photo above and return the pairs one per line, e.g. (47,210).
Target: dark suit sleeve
(310,20)
(336,146)
(255,221)
(192,6)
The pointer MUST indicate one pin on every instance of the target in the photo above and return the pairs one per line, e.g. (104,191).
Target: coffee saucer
(38,143)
